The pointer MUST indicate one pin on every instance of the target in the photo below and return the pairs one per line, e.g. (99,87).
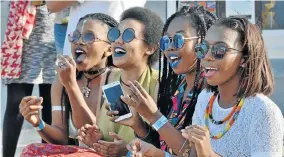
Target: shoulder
(202,101)
(113,74)
(263,108)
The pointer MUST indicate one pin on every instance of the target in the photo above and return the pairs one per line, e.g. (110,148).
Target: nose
(80,41)
(119,40)
(208,56)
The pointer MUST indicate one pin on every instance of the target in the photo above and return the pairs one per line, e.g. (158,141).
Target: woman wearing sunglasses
(234,116)
(76,93)
(135,50)
(181,81)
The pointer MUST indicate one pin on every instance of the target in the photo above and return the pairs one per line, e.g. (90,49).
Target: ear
(243,62)
(108,51)
(151,49)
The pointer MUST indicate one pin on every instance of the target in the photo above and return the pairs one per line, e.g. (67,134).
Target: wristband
(160,123)
(167,154)
(41,125)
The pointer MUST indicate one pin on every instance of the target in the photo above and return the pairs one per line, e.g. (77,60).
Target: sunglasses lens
(164,43)
(74,37)
(219,50)
(178,41)
(128,35)
(113,34)
(88,38)
(201,50)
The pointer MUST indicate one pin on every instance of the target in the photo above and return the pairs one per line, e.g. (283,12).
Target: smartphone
(112,93)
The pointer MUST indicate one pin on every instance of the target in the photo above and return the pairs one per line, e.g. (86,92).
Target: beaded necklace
(232,117)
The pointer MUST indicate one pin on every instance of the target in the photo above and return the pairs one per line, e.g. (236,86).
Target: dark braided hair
(201,19)
(110,22)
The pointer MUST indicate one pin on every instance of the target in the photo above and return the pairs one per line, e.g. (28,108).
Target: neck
(95,68)
(228,92)
(189,78)
(132,74)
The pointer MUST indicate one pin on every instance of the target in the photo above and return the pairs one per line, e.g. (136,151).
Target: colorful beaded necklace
(232,116)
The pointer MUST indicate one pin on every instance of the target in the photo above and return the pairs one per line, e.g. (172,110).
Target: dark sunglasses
(87,38)
(177,41)
(218,50)
(127,36)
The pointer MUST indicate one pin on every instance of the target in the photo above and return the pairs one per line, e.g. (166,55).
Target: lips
(119,51)
(80,55)
(174,60)
(210,71)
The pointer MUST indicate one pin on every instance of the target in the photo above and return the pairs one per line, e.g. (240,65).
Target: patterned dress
(39,54)
(178,112)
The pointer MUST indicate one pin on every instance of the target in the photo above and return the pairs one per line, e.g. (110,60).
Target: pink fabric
(52,150)
(20,24)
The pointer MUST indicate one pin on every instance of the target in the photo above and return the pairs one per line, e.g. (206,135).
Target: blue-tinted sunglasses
(127,36)
(87,38)
(218,50)
(177,41)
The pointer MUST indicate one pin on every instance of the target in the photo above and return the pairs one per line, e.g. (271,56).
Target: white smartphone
(112,93)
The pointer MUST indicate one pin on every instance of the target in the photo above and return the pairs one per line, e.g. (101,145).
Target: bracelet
(182,145)
(41,125)
(160,123)
(167,154)
(148,133)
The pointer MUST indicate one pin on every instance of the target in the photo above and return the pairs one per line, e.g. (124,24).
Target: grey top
(39,54)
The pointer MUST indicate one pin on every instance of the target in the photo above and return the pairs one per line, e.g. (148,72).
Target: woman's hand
(134,121)
(66,70)
(90,134)
(29,108)
(200,137)
(117,148)
(140,148)
(141,101)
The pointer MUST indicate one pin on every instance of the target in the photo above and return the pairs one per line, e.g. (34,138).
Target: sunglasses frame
(83,41)
(204,45)
(132,30)
(172,40)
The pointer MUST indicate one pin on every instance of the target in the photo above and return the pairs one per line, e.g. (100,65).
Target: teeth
(79,51)
(174,57)
(209,68)
(119,50)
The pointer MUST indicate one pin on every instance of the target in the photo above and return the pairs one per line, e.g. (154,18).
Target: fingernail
(41,107)
(182,130)
(187,127)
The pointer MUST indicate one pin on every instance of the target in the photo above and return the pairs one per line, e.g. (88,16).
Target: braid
(111,22)
(201,19)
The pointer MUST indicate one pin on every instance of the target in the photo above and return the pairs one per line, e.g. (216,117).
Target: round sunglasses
(127,36)
(218,50)
(87,38)
(177,41)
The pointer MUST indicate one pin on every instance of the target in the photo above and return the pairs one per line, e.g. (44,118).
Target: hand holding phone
(112,93)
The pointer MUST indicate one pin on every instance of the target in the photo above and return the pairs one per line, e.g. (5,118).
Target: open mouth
(80,55)
(210,71)
(119,51)
(174,60)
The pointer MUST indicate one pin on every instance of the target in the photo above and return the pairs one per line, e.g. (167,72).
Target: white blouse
(257,132)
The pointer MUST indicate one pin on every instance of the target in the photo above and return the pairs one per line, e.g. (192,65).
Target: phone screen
(113,96)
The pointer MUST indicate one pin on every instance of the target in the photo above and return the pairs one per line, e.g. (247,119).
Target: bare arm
(57,6)
(81,113)
(168,132)
(56,132)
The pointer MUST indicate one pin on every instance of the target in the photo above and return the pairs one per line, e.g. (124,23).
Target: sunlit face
(220,71)
(182,60)
(88,55)
(127,55)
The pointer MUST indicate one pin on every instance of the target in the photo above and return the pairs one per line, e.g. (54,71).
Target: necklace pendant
(86,91)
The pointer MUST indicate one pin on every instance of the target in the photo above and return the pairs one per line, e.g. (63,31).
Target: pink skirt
(52,150)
